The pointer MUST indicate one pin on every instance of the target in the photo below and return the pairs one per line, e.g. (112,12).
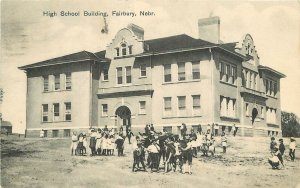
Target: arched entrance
(254,114)
(123,117)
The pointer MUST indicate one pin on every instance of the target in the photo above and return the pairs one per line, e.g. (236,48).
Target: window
(196,104)
(128,74)
(54,133)
(105,73)
(119,75)
(267,86)
(250,80)
(196,70)
(247,109)
(56,111)
(275,88)
(104,109)
(262,113)
(57,82)
(227,72)
(46,83)
(222,71)
(142,107)
(143,72)
(167,73)
(117,52)
(124,50)
(181,71)
(68,81)
(130,50)
(68,114)
(167,103)
(233,74)
(181,102)
(67,132)
(45,112)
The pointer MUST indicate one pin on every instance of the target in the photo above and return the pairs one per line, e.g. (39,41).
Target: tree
(290,125)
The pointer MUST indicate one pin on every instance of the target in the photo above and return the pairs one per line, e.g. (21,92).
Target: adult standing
(129,134)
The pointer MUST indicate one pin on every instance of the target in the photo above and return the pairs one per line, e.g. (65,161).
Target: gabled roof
(268,69)
(75,57)
(176,42)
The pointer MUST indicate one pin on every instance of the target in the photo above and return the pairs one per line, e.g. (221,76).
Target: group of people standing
(277,152)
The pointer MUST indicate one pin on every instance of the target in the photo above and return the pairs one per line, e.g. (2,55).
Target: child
(85,144)
(120,145)
(224,142)
(98,142)
(111,144)
(138,156)
(93,142)
(74,143)
(154,150)
(281,146)
(292,147)
(187,156)
(273,144)
(80,144)
(276,157)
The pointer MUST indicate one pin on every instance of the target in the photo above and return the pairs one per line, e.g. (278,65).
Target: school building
(165,81)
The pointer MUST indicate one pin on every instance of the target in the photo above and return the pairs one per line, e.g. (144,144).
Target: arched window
(124,49)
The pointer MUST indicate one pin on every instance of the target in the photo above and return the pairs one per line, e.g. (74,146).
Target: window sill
(271,96)
(124,56)
(172,117)
(104,116)
(62,90)
(235,119)
(56,121)
(142,114)
(105,80)
(141,77)
(226,83)
(184,81)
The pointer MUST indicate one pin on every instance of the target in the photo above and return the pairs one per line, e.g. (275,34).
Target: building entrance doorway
(123,118)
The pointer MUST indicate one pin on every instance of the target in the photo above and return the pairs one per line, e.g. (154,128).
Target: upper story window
(181,102)
(167,103)
(196,70)
(124,49)
(128,74)
(45,112)
(68,81)
(129,50)
(181,71)
(167,73)
(55,111)
(271,87)
(142,107)
(119,75)
(117,52)
(228,73)
(105,74)
(143,72)
(68,114)
(46,83)
(104,109)
(196,104)
(56,82)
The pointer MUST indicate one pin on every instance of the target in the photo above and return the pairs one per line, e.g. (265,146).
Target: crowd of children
(101,142)
(277,152)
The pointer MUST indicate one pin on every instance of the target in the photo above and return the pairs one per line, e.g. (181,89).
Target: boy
(74,143)
(273,144)
(281,146)
(276,157)
(292,147)
(139,156)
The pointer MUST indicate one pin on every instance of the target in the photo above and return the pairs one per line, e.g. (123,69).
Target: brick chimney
(209,29)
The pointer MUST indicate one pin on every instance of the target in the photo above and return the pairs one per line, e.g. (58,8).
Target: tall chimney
(209,29)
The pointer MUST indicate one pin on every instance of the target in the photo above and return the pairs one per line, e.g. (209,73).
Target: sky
(28,37)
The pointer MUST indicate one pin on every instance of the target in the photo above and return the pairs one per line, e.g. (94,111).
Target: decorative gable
(128,41)
(246,47)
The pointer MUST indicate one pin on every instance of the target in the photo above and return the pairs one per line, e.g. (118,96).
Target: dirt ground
(48,163)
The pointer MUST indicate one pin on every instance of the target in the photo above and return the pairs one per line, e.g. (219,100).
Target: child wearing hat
(292,147)
(224,142)
(281,146)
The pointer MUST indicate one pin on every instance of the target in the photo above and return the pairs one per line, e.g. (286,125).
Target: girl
(224,142)
(80,146)
(74,143)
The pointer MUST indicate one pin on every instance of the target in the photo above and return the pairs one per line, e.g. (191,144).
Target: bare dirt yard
(48,163)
